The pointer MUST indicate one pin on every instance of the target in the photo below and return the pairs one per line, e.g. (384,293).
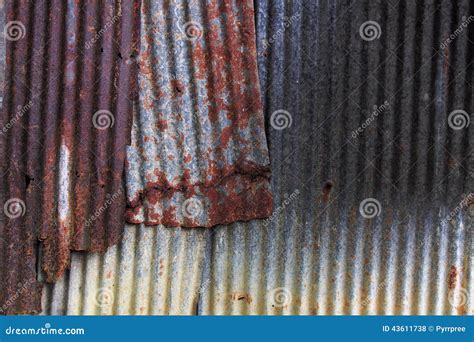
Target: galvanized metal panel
(154,271)
(199,154)
(318,254)
(65,122)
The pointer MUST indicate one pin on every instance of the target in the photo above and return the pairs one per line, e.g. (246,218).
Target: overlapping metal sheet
(199,153)
(65,123)
(322,72)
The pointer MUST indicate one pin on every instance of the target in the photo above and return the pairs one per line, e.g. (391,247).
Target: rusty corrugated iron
(2,51)
(65,123)
(199,154)
(318,254)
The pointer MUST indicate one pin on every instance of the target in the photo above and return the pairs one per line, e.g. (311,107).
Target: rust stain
(239,296)
(66,162)
(452,278)
(208,162)
(327,191)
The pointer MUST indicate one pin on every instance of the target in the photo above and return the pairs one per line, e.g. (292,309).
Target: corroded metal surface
(199,154)
(2,51)
(317,254)
(65,123)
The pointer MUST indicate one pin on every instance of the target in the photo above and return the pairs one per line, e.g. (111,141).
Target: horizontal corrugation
(318,255)
(65,124)
(199,154)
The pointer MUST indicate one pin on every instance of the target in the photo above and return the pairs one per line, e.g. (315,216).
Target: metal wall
(372,206)
(65,122)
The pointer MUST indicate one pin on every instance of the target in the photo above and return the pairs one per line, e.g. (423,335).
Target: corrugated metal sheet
(2,50)
(199,154)
(65,124)
(153,271)
(324,65)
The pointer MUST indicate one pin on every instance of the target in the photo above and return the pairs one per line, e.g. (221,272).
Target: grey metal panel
(318,254)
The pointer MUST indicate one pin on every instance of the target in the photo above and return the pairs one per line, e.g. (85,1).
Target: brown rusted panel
(199,153)
(66,120)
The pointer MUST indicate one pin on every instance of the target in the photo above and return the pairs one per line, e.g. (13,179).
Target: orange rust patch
(452,279)
(238,296)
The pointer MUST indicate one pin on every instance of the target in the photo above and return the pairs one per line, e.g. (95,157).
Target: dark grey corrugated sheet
(319,255)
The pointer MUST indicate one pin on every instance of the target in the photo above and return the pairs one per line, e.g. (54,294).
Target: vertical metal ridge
(62,165)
